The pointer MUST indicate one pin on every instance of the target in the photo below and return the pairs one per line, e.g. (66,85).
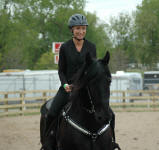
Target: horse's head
(98,77)
(95,76)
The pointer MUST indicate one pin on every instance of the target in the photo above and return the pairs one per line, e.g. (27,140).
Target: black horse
(85,123)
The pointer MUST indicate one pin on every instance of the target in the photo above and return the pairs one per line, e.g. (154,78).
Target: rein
(92,110)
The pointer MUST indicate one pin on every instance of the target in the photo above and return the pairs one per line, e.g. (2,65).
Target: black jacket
(70,60)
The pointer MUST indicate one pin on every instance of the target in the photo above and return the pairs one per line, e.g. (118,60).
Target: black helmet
(77,20)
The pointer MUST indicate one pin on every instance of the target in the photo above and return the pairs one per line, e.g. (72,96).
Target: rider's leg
(60,100)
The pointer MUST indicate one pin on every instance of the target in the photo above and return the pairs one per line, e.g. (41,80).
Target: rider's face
(79,31)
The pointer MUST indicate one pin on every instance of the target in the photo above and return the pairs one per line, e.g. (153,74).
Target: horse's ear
(106,58)
(88,59)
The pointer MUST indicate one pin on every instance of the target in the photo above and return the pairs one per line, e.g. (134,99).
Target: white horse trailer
(29,80)
(126,81)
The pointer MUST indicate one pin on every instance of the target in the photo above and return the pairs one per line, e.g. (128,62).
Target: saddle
(46,107)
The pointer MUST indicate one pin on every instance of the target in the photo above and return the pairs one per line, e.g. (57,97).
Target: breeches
(60,100)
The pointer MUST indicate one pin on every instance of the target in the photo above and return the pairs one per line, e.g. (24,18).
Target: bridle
(89,79)
(92,110)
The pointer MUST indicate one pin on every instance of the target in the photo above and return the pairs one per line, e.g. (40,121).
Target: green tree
(147,32)
(46,61)
(97,34)
(28,28)
(34,26)
(121,34)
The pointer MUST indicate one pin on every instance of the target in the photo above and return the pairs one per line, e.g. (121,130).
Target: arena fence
(26,102)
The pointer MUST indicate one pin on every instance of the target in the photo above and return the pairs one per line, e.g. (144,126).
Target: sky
(104,9)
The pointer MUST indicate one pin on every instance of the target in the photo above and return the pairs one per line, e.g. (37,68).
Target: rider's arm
(62,66)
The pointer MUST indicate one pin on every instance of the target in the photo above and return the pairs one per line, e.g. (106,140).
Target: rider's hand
(68,88)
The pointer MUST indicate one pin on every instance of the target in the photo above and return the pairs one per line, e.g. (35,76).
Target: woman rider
(71,58)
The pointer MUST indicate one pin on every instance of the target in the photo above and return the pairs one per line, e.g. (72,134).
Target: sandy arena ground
(134,131)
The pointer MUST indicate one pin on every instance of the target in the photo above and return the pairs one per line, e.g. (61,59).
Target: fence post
(6,102)
(22,108)
(44,97)
(153,100)
(123,95)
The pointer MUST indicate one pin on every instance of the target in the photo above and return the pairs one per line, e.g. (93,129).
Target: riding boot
(49,141)
(50,121)
(45,122)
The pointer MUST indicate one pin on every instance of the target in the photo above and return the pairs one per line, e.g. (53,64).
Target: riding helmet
(77,20)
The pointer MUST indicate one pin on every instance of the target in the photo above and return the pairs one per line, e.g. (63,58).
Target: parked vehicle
(151,80)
